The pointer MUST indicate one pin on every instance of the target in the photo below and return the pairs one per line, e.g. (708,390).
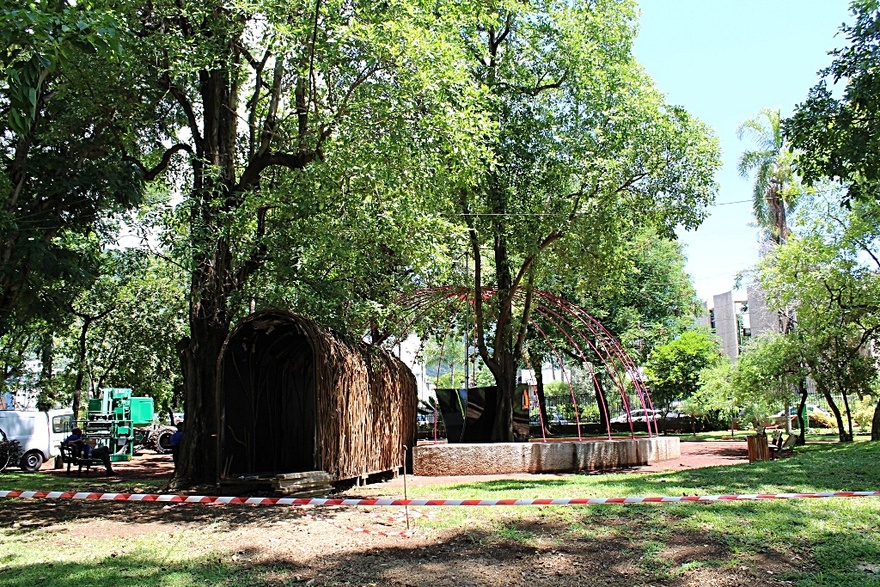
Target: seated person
(82,448)
(78,444)
(174,443)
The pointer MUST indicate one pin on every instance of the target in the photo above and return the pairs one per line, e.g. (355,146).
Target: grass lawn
(808,543)
(813,435)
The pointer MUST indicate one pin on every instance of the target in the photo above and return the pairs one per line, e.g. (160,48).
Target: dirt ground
(351,546)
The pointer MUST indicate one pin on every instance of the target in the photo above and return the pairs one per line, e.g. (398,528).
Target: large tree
(64,133)
(126,328)
(830,275)
(673,369)
(273,99)
(586,151)
(838,132)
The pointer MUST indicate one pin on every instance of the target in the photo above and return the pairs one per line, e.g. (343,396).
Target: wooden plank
(309,493)
(301,487)
(322,475)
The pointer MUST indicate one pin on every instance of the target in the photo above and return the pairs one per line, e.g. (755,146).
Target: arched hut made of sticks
(295,396)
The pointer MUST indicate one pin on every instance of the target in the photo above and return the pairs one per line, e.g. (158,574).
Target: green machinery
(119,421)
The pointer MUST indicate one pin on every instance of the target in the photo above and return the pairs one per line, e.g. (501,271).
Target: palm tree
(777,185)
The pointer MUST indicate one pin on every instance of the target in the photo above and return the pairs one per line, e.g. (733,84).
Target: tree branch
(478,286)
(495,42)
(534,91)
(343,105)
(186,105)
(151,174)
(271,116)
(258,254)
(251,105)
(628,183)
(551,238)
(251,175)
(524,320)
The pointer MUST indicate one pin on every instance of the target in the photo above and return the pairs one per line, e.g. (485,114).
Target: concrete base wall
(540,457)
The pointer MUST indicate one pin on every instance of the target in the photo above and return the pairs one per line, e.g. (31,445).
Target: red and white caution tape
(294,501)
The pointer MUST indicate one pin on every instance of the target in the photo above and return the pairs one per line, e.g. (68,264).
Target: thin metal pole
(467,272)
(405,497)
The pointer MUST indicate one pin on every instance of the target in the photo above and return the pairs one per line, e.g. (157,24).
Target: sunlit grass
(16,480)
(837,538)
(831,542)
(813,435)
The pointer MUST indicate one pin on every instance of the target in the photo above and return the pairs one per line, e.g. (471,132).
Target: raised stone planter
(541,457)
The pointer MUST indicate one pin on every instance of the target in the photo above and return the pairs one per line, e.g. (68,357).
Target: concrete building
(734,320)
(725,324)
(761,318)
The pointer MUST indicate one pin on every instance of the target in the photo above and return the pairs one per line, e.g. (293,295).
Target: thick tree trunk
(539,388)
(198,454)
(210,322)
(802,437)
(875,423)
(502,431)
(214,277)
(842,434)
(224,170)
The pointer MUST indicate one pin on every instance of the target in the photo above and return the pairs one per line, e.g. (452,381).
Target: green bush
(822,420)
(590,413)
(864,412)
(556,388)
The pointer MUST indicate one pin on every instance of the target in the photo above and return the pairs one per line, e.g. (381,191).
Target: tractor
(124,423)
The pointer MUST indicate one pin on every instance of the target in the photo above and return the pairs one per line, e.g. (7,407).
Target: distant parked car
(636,416)
(552,419)
(558,419)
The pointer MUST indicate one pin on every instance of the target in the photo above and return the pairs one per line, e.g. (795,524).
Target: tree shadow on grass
(723,544)
(511,484)
(23,517)
(128,571)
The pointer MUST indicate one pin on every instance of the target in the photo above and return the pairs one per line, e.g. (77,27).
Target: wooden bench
(779,446)
(72,455)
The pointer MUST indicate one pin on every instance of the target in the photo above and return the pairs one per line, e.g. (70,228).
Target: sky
(723,61)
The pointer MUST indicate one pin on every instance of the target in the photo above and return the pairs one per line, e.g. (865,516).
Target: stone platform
(541,457)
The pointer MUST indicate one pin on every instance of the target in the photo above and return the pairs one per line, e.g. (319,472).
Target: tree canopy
(777,184)
(64,135)
(838,133)
(829,276)
(585,153)
(326,157)
(673,369)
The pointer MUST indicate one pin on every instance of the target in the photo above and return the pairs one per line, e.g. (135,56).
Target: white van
(38,433)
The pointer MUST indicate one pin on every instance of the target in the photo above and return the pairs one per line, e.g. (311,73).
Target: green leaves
(828,277)
(40,41)
(840,136)
(673,369)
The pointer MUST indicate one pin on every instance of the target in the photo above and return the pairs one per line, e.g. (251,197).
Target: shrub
(864,412)
(822,420)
